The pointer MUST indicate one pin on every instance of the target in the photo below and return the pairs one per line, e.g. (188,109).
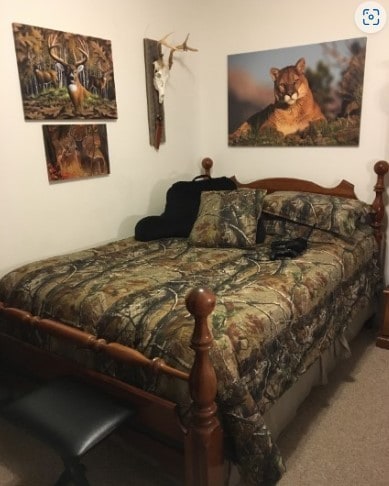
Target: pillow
(181,208)
(338,215)
(228,219)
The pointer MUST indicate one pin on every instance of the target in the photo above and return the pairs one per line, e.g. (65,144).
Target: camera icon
(370,17)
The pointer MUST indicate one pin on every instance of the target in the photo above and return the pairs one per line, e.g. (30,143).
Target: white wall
(39,219)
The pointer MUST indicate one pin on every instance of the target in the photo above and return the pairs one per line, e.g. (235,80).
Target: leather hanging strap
(158,131)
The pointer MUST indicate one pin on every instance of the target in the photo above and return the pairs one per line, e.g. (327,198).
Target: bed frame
(201,442)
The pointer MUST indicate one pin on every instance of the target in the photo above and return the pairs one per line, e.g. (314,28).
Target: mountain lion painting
(294,107)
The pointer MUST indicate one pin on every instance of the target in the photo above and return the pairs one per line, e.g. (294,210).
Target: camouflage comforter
(272,318)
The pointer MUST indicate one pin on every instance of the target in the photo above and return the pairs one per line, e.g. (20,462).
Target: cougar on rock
(294,107)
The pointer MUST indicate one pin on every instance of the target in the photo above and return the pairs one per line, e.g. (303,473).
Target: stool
(69,416)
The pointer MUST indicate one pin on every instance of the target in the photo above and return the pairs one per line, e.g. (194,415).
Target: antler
(184,46)
(83,48)
(52,44)
(180,47)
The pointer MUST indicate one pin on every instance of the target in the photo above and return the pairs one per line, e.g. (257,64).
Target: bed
(209,334)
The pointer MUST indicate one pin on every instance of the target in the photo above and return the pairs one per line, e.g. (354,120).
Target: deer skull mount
(157,76)
(162,69)
(161,75)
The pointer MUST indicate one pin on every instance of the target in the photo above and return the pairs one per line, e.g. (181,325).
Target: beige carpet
(341,434)
(340,437)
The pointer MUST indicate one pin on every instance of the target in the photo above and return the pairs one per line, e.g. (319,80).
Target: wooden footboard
(202,439)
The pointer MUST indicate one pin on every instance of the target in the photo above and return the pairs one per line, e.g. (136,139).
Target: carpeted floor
(340,437)
(341,433)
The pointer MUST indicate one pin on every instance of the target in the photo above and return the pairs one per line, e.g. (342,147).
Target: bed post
(381,168)
(207,164)
(204,439)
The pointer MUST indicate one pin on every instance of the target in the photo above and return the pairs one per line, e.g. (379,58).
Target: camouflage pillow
(341,216)
(228,219)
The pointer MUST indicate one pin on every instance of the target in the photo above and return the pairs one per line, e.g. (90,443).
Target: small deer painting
(76,151)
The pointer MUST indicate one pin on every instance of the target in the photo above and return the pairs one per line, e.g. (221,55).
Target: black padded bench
(71,417)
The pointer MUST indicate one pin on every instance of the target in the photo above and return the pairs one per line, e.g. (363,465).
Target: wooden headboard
(343,189)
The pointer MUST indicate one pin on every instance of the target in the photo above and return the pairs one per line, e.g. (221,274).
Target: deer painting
(64,75)
(45,78)
(74,151)
(98,83)
(77,92)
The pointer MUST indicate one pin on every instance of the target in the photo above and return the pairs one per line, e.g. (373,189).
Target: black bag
(281,249)
(182,205)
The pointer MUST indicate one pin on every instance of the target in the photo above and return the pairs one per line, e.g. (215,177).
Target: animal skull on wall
(162,70)
(157,75)
(161,75)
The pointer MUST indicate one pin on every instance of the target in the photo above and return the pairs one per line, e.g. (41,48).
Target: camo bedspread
(272,318)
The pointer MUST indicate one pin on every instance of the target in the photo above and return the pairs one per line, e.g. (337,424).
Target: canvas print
(298,96)
(64,75)
(76,151)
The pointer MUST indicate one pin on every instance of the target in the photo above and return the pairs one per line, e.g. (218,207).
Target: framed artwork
(298,96)
(64,76)
(76,151)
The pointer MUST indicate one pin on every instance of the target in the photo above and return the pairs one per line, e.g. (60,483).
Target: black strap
(202,176)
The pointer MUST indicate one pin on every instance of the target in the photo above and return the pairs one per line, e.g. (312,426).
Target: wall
(39,219)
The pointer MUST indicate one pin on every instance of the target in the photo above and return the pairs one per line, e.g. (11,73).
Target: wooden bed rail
(88,341)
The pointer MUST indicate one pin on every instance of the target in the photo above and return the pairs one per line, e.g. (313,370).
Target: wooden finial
(207,164)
